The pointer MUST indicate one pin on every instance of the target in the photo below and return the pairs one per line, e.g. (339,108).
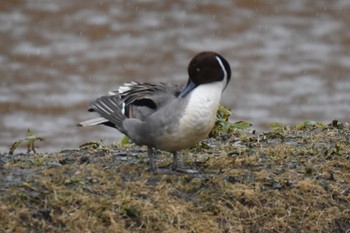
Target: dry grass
(288,180)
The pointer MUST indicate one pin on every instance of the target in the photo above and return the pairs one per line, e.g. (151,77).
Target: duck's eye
(198,69)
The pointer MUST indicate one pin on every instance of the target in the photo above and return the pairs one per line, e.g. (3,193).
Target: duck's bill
(189,87)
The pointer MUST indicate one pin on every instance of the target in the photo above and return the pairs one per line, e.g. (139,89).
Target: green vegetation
(31,139)
(290,179)
(223,125)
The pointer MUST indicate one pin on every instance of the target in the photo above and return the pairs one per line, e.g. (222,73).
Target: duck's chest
(200,114)
(195,123)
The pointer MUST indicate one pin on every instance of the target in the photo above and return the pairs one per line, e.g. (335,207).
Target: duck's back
(141,100)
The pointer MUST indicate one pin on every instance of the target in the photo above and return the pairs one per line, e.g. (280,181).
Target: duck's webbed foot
(175,166)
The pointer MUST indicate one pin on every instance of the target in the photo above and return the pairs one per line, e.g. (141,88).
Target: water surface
(290,59)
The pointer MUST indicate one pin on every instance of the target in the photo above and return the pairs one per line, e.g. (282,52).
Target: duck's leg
(175,160)
(151,159)
(179,169)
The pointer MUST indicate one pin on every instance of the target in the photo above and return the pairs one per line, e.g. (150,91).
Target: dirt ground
(290,179)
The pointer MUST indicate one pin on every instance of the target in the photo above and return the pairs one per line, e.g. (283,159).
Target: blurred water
(290,59)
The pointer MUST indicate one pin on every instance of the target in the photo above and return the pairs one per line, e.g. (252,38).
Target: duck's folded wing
(138,93)
(132,100)
(142,99)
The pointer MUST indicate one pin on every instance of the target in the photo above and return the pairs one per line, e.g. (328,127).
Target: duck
(164,116)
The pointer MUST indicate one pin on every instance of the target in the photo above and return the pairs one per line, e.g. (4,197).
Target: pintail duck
(163,116)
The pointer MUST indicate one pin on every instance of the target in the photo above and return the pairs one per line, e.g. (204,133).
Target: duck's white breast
(198,118)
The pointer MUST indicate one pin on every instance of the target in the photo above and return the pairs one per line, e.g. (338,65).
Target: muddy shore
(290,179)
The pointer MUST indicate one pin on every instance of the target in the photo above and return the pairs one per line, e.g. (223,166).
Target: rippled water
(290,59)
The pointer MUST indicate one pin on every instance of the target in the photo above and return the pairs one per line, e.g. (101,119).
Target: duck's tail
(110,110)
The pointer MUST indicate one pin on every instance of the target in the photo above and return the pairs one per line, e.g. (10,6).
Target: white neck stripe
(223,68)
